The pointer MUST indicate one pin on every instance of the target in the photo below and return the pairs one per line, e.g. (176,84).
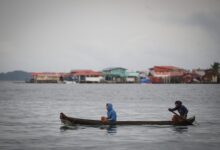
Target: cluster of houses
(156,74)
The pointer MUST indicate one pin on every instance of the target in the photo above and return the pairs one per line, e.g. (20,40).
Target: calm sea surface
(29,116)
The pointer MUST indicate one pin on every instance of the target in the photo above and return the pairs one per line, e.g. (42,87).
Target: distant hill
(15,76)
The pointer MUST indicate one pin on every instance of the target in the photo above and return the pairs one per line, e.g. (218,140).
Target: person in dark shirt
(183,111)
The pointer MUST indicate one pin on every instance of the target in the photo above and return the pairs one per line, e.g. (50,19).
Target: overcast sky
(45,35)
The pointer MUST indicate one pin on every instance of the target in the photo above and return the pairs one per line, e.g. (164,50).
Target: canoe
(77,121)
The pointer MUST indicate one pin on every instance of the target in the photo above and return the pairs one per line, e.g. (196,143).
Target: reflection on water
(64,128)
(180,129)
(72,127)
(110,129)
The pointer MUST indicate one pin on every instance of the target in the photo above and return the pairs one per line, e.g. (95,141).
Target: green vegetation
(215,68)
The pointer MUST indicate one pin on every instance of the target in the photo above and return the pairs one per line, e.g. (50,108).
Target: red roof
(165,68)
(85,73)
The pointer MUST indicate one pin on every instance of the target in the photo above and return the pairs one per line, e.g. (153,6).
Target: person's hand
(170,109)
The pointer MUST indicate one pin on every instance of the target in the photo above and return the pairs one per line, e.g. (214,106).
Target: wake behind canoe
(78,121)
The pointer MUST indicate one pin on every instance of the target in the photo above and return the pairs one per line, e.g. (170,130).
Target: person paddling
(183,111)
(111,114)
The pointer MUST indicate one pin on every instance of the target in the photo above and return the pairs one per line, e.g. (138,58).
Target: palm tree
(215,68)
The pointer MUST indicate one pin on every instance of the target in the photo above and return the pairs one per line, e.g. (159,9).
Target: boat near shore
(66,120)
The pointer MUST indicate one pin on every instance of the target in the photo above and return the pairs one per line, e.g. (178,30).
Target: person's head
(178,103)
(109,106)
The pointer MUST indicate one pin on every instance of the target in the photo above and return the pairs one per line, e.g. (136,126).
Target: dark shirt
(183,111)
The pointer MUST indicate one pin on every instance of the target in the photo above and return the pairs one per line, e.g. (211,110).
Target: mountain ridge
(17,75)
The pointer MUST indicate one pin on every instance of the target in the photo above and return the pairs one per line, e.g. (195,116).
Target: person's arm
(112,116)
(109,118)
(173,109)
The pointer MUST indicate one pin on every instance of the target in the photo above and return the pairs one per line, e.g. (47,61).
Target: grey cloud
(63,35)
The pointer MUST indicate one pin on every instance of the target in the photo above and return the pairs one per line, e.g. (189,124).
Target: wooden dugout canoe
(77,121)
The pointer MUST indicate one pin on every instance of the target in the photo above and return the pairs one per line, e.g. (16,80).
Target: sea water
(29,116)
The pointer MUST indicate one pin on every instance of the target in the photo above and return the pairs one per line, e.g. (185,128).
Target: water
(30,116)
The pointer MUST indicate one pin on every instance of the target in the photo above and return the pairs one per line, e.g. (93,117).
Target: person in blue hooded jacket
(111,114)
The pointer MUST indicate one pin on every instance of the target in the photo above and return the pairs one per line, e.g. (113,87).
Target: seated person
(183,111)
(111,115)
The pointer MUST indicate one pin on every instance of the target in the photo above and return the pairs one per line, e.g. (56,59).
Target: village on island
(156,74)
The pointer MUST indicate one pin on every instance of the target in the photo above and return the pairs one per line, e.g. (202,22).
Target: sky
(59,36)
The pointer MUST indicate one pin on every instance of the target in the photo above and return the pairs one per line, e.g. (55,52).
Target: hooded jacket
(111,114)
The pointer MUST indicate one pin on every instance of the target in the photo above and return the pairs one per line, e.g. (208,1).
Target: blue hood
(109,106)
